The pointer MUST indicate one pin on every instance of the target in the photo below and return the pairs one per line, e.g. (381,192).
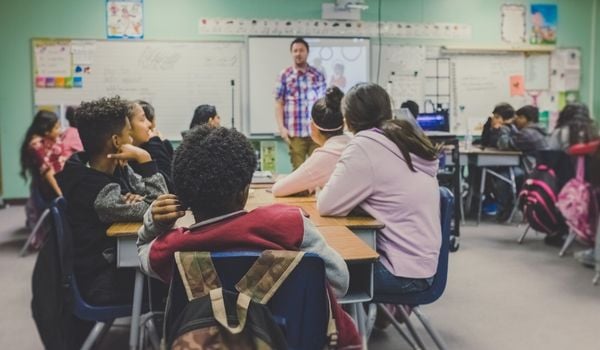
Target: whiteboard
(479,83)
(268,56)
(402,72)
(174,77)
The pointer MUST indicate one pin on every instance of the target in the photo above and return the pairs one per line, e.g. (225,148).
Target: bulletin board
(482,81)
(174,77)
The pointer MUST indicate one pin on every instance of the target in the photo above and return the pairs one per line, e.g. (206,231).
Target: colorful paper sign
(77,82)
(544,21)
(517,85)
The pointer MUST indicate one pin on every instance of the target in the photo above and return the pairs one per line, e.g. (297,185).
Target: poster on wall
(514,24)
(544,21)
(125,19)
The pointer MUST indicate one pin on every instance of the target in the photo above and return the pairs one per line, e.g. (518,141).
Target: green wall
(177,20)
(596,63)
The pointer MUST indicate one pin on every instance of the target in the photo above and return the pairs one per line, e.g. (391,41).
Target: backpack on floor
(537,201)
(215,318)
(574,202)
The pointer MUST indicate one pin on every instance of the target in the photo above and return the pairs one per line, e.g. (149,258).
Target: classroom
(416,174)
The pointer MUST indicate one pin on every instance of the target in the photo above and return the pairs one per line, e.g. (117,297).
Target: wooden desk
(489,157)
(364,227)
(356,247)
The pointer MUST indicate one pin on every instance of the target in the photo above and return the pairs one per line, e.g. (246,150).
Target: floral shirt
(48,154)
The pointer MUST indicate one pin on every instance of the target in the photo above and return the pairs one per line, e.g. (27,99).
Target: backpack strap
(332,332)
(219,312)
(580,172)
(267,274)
(197,273)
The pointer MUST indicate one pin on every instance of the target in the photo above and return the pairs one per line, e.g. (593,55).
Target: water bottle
(468,138)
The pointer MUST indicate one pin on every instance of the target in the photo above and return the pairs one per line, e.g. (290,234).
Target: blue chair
(104,316)
(41,207)
(414,300)
(299,306)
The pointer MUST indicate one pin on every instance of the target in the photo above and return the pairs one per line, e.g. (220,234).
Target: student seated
(412,107)
(212,171)
(525,135)
(151,116)
(327,130)
(502,114)
(573,126)
(70,137)
(205,114)
(100,190)
(145,136)
(389,171)
(42,157)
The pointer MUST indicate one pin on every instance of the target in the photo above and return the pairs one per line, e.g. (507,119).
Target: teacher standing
(297,89)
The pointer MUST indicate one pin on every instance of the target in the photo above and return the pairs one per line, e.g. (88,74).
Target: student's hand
(284,133)
(131,198)
(166,209)
(497,123)
(131,152)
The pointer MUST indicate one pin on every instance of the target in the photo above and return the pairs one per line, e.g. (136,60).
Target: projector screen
(343,61)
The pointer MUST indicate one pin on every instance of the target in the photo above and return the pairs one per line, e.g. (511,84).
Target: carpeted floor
(500,295)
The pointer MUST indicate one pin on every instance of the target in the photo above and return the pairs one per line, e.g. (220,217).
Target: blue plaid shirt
(299,90)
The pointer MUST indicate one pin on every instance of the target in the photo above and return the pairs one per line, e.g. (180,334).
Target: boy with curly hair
(100,189)
(212,171)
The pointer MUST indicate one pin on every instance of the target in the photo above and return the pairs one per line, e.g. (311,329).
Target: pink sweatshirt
(315,171)
(372,174)
(71,141)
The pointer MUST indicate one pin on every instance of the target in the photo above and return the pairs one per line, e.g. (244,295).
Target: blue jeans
(386,283)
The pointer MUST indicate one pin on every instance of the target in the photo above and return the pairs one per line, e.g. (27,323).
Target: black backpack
(537,201)
(218,318)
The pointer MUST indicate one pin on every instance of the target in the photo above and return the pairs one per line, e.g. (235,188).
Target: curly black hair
(211,167)
(98,120)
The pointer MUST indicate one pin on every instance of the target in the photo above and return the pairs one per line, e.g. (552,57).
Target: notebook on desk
(263,177)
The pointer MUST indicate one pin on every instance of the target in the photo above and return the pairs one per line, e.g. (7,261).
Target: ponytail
(409,140)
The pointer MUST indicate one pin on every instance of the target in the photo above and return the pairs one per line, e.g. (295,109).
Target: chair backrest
(441,275)
(299,305)
(81,308)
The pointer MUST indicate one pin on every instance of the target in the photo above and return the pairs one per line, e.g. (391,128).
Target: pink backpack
(574,204)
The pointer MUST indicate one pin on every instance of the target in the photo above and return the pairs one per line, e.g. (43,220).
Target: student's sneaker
(586,257)
(489,208)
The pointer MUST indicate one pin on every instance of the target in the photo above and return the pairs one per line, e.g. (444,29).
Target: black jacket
(95,201)
(162,154)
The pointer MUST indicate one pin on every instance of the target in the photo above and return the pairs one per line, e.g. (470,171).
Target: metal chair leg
(567,243)
(397,325)
(410,326)
(34,232)
(513,187)
(371,316)
(96,335)
(437,339)
(481,190)
(148,331)
(520,240)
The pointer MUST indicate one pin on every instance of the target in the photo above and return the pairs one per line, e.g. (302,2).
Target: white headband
(323,129)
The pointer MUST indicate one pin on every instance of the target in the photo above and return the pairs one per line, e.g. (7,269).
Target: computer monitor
(434,121)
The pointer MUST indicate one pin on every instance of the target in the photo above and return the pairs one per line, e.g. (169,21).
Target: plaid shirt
(299,90)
